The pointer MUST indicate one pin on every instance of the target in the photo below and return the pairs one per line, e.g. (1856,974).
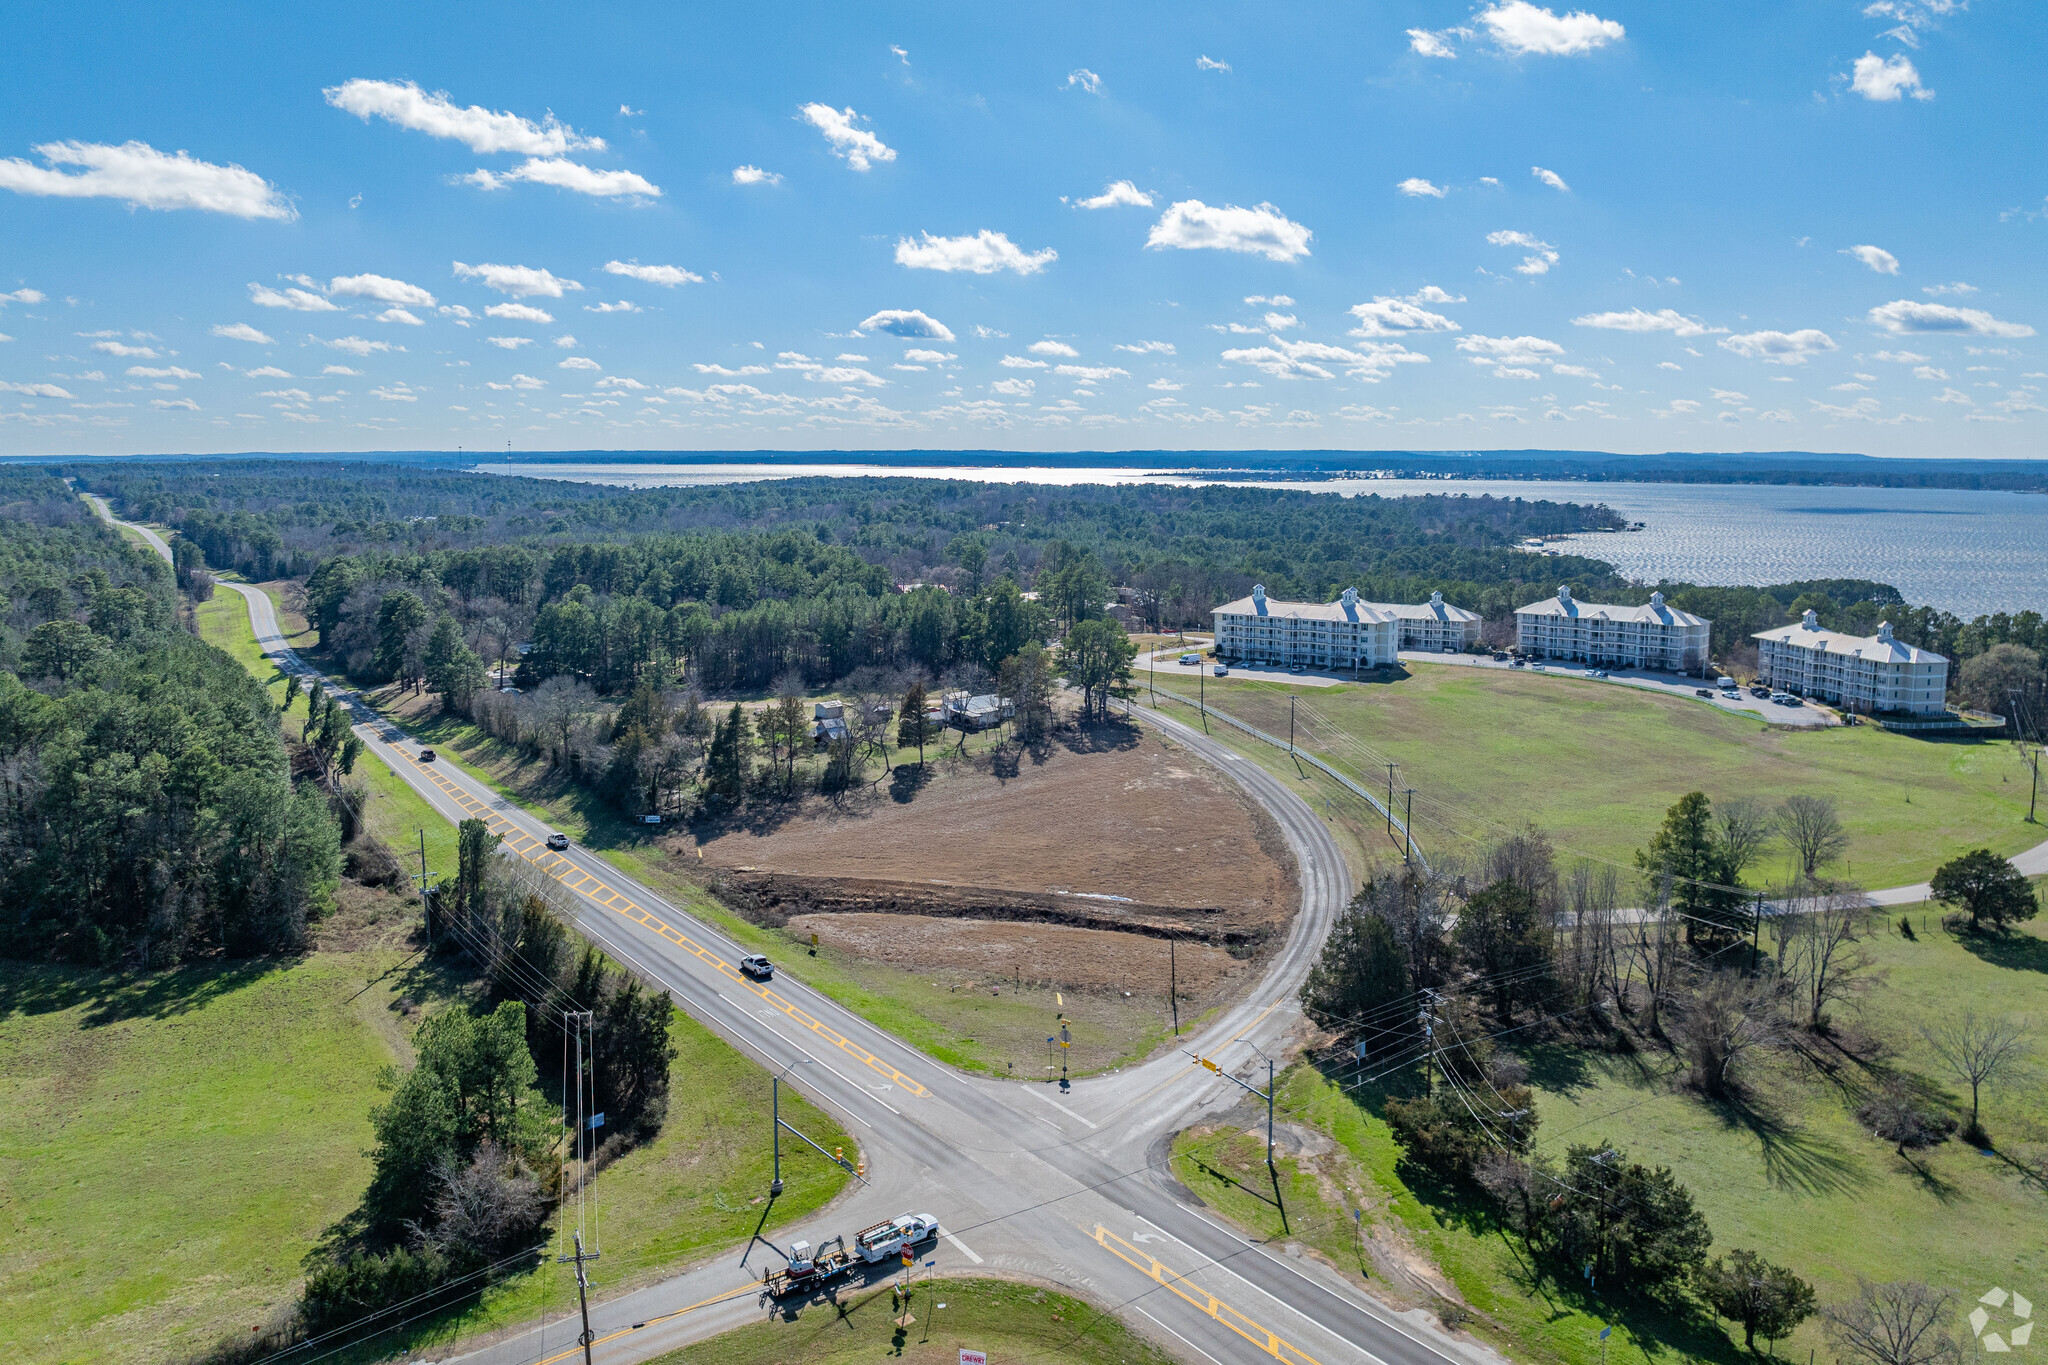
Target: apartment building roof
(1345,608)
(1881,647)
(1655,612)
(1435,609)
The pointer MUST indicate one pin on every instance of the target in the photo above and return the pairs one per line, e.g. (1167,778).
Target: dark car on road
(758,967)
(426,755)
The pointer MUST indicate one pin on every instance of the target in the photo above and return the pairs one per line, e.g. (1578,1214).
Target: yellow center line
(606,897)
(1201,1299)
(628,1331)
(1179,1076)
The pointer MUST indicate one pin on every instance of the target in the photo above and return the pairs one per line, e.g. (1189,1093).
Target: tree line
(148,813)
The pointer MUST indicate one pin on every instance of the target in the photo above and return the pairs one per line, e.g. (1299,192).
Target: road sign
(1606,1332)
(909,1257)
(595,1121)
(968,1357)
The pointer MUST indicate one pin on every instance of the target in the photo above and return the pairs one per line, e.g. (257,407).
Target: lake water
(1963,551)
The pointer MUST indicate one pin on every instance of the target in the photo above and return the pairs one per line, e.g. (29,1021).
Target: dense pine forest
(147,810)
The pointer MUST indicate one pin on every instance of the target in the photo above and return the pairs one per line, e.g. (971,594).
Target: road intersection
(1072,1190)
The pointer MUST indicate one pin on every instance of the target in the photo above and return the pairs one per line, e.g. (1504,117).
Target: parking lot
(1803,715)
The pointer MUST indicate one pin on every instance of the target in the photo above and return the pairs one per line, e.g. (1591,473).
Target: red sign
(909,1257)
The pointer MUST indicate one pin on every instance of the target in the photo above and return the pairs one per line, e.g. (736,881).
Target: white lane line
(960,1246)
(1181,1339)
(1057,1105)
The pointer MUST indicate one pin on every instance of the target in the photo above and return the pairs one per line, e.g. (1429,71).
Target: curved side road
(1071,1190)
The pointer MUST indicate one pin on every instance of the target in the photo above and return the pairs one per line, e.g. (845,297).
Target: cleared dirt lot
(1109,812)
(1008,889)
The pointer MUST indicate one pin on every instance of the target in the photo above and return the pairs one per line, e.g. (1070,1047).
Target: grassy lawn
(1788,1172)
(1595,765)
(1014,1324)
(180,1141)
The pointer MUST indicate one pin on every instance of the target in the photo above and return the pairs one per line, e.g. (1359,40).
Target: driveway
(1166,661)
(1671,684)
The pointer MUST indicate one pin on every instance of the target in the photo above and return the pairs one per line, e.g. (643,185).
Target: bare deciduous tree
(1895,1324)
(1825,963)
(1813,827)
(1747,829)
(1658,947)
(1978,1051)
(1722,1018)
(557,705)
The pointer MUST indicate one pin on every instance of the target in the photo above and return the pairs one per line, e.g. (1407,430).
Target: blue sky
(1814,224)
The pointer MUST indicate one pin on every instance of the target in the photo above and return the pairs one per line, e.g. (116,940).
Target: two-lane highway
(1068,1189)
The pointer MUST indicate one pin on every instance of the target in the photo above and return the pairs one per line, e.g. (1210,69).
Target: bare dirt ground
(977,959)
(1105,812)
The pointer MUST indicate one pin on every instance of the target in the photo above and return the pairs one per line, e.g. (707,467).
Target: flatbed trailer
(809,1271)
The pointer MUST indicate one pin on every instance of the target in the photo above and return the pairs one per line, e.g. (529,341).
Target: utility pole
(1390,800)
(1290,722)
(1427,1018)
(775,1103)
(426,901)
(1201,698)
(1408,827)
(582,1293)
(2018,721)
(1173,981)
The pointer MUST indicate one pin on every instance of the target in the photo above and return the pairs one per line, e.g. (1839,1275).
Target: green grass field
(1595,765)
(1787,1172)
(183,1139)
(1013,1324)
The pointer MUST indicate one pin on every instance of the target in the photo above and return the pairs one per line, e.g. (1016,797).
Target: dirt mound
(997,957)
(775,898)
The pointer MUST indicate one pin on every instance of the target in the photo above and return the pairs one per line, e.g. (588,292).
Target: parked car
(1782,698)
(1450,649)
(1500,658)
(758,967)
(1222,670)
(1703,691)
(1764,692)
(650,819)
(1597,673)
(1296,669)
(558,841)
(1791,700)
(426,755)
(1520,664)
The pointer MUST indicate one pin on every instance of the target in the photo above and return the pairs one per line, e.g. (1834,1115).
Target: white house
(1652,636)
(1346,633)
(1434,624)
(1862,673)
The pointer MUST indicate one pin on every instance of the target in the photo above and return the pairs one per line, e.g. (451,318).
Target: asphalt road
(1068,1189)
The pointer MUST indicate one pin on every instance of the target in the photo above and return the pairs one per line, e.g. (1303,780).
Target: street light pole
(775,1103)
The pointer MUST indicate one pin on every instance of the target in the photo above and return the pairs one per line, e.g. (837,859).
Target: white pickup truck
(884,1240)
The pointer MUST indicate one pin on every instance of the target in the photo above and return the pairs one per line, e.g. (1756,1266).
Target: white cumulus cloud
(1427,44)
(1904,316)
(985,253)
(241,331)
(34,390)
(1887,80)
(653,274)
(1016,388)
(1520,27)
(1261,230)
(520,281)
(1207,63)
(123,349)
(1090,374)
(518,312)
(30,296)
(1018,362)
(1780,348)
(1542,254)
(509,343)
(267,372)
(1147,347)
(1082,78)
(1117,194)
(161,372)
(383,289)
(1637,320)
(1550,178)
(1053,348)
(1285,359)
(434,114)
(1389,317)
(1876,257)
(1509,351)
(859,147)
(144,177)
(569,175)
(578,362)
(356,346)
(1415,187)
(925,357)
(303,300)
(754,175)
(907,322)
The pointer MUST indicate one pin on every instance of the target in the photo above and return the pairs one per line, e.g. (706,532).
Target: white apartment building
(1434,624)
(1652,636)
(1861,673)
(1346,633)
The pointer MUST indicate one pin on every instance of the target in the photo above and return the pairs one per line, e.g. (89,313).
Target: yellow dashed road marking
(1201,1299)
(598,893)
